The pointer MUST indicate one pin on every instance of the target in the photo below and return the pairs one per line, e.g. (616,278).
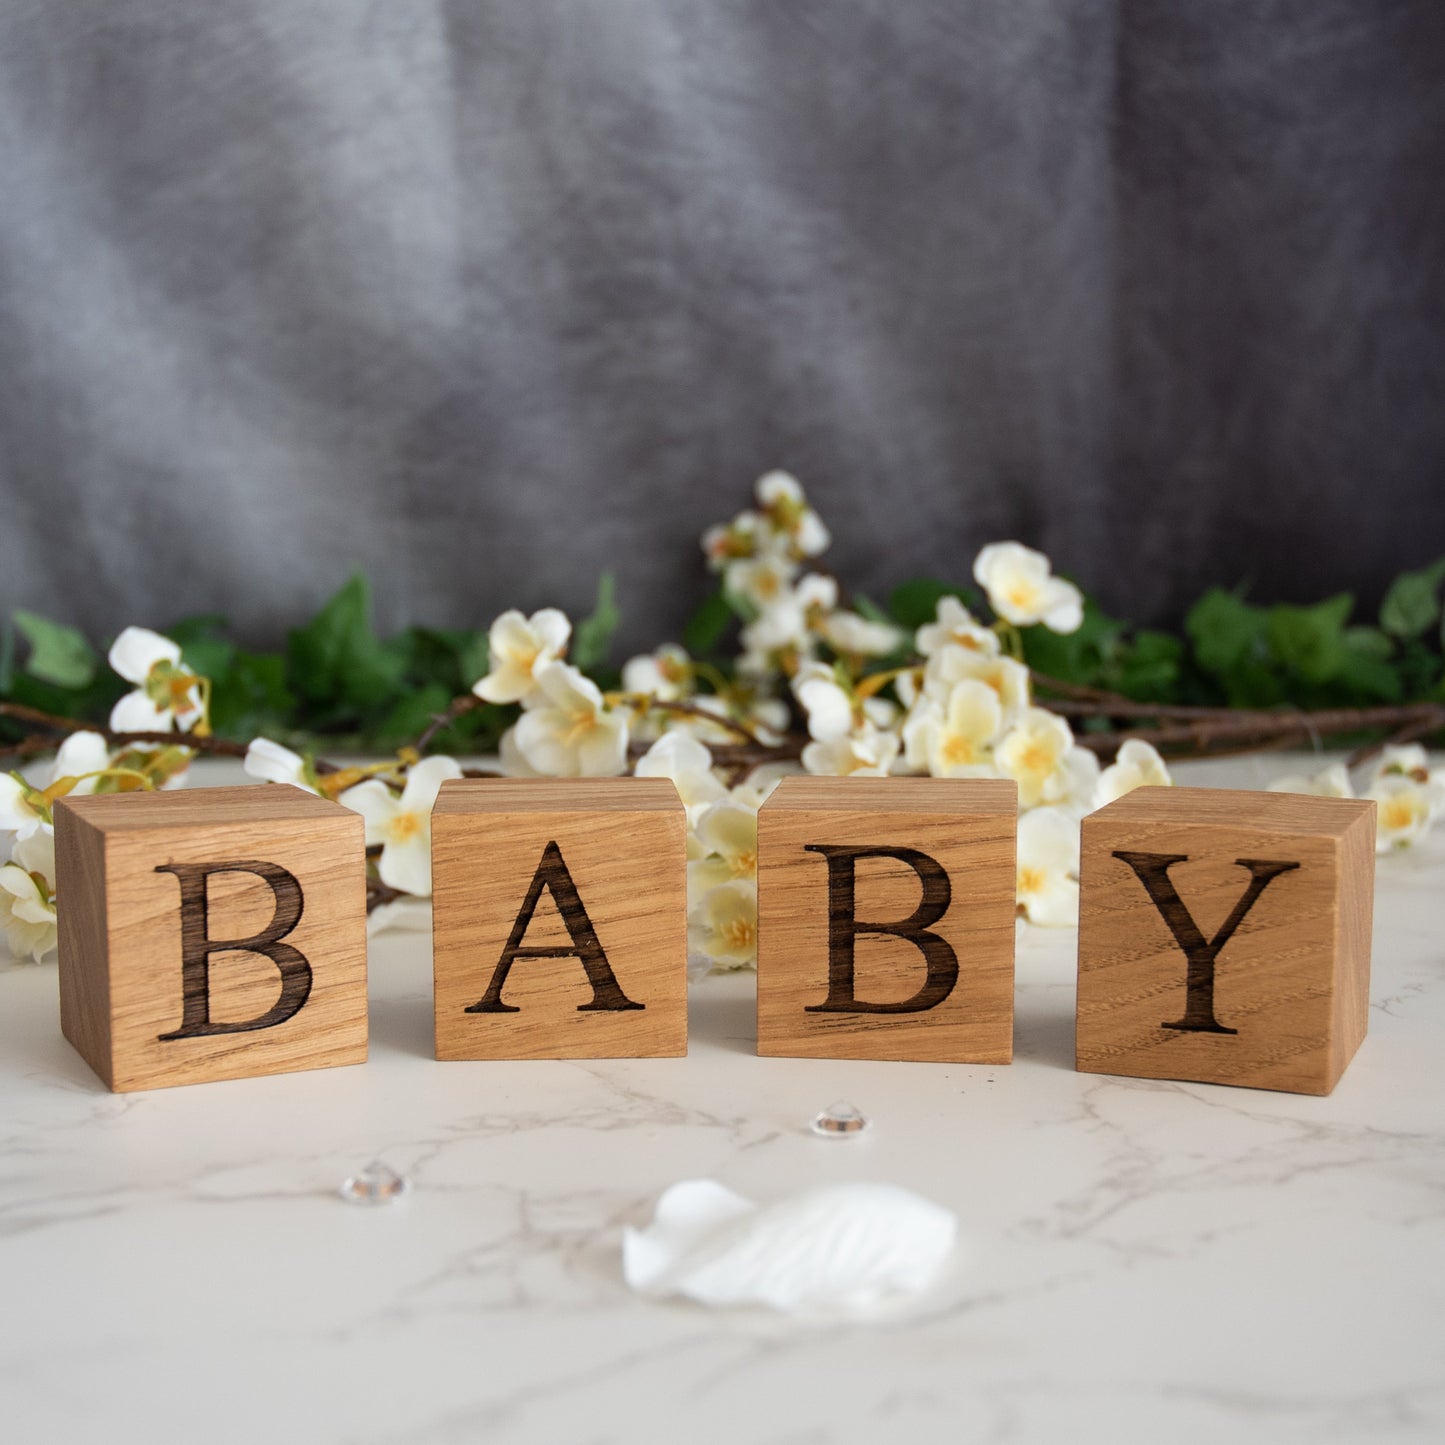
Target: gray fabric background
(484,297)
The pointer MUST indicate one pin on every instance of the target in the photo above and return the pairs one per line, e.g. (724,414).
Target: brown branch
(459,707)
(51,723)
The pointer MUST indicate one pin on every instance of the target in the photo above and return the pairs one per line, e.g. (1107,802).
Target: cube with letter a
(886,919)
(1224,937)
(559,918)
(211,933)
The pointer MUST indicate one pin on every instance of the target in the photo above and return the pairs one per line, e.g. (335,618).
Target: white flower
(1406,809)
(665,674)
(954,623)
(826,703)
(757,787)
(1137,764)
(723,927)
(27,896)
(1076,785)
(20,807)
(82,755)
(678,755)
(1032,753)
(848,632)
(1022,589)
(518,648)
(402,825)
(788,620)
(1331,782)
(1410,761)
(781,497)
(166,695)
(514,765)
(952,664)
(274,764)
(1048,867)
(569,732)
(955,739)
(727,840)
(760,581)
(728,541)
(865,753)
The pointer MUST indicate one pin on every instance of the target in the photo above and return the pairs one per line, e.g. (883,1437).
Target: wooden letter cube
(886,919)
(559,913)
(1224,937)
(211,933)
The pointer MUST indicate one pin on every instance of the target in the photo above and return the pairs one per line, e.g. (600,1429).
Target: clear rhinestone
(378,1183)
(839,1121)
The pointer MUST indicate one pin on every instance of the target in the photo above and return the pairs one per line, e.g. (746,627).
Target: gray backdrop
(483,297)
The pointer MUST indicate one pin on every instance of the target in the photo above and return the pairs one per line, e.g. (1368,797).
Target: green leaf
(209,656)
(59,655)
(412,713)
(867,607)
(7,660)
(1368,667)
(251,697)
(1310,641)
(1150,668)
(915,603)
(706,626)
(337,659)
(592,637)
(1413,601)
(1225,629)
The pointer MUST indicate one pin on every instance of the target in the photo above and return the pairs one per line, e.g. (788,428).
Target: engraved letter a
(552,874)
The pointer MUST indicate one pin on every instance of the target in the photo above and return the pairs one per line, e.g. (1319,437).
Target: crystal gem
(378,1183)
(839,1121)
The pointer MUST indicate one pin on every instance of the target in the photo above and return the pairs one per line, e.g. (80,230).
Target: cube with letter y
(1224,937)
(211,933)
(886,919)
(559,918)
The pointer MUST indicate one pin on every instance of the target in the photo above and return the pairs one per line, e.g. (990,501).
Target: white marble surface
(1145,1261)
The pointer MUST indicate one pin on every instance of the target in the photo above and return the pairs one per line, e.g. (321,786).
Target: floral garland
(953,700)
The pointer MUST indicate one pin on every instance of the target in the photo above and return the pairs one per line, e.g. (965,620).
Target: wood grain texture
(622,843)
(968,828)
(122,948)
(1289,991)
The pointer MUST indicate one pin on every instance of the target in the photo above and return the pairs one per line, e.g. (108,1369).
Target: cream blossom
(858,636)
(665,673)
(273,763)
(727,844)
(402,825)
(1032,753)
(1136,765)
(518,647)
(1406,808)
(167,693)
(728,541)
(864,753)
(790,618)
(953,624)
(1408,760)
(568,731)
(82,756)
(23,810)
(723,926)
(761,581)
(1330,782)
(953,663)
(679,756)
(1048,867)
(955,739)
(27,896)
(781,497)
(1023,590)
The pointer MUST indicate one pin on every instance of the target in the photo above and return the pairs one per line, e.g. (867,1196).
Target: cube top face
(886,911)
(157,884)
(559,919)
(1224,937)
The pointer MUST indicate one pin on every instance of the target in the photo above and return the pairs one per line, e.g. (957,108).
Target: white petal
(376,803)
(81,753)
(552,628)
(843,1247)
(602,752)
(16,815)
(424,781)
(407,866)
(408,915)
(137,650)
(273,763)
(136,713)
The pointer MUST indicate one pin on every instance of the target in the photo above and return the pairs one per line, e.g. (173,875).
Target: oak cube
(559,918)
(213,933)
(1224,937)
(886,914)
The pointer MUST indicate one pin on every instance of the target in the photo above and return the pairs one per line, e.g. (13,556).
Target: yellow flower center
(1398,814)
(1031,880)
(1023,595)
(1036,760)
(767,584)
(738,934)
(582,724)
(743,865)
(403,827)
(958,749)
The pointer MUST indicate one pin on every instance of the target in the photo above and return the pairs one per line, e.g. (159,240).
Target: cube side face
(1356,927)
(621,878)
(1261,1015)
(83,961)
(799,1013)
(185,1011)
